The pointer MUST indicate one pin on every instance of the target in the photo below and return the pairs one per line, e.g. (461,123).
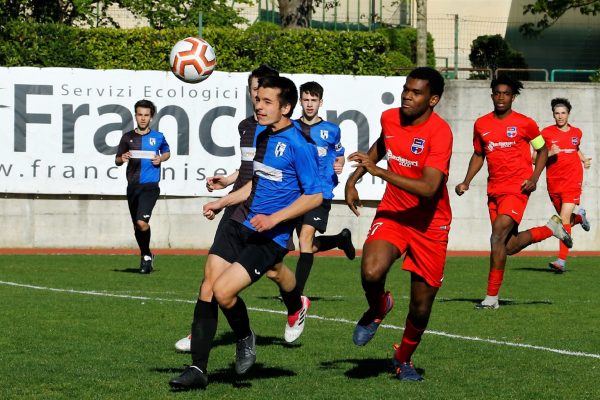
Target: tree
(60,11)
(175,13)
(551,11)
(298,13)
(159,13)
(421,33)
(492,51)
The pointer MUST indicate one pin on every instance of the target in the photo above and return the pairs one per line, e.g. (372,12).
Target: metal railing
(523,70)
(570,71)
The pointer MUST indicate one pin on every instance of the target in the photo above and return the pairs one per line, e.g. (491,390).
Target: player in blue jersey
(254,240)
(247,129)
(327,138)
(143,149)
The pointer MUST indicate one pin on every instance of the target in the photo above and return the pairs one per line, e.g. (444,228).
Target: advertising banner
(61,126)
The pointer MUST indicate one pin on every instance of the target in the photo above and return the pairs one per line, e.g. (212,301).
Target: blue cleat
(405,371)
(367,326)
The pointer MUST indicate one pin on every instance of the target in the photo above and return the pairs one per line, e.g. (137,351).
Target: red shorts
(512,205)
(425,251)
(558,199)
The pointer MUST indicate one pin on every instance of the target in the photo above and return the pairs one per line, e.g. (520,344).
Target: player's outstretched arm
(475,164)
(221,182)
(300,206)
(374,155)
(214,207)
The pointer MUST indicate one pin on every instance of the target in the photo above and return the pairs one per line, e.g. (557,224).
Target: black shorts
(142,199)
(257,253)
(317,217)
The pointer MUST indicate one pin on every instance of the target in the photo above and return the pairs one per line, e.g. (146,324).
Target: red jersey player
(504,138)
(414,215)
(564,172)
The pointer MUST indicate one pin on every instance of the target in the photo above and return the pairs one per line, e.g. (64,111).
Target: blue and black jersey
(248,129)
(141,170)
(285,168)
(327,138)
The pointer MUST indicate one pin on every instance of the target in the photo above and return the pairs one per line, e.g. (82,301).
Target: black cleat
(191,378)
(245,354)
(347,246)
(146,264)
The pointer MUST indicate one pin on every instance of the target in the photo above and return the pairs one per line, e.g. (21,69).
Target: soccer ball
(192,60)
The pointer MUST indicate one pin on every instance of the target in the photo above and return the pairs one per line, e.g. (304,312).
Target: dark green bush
(291,51)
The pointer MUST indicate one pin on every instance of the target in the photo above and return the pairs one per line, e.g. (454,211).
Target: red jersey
(409,149)
(505,145)
(564,172)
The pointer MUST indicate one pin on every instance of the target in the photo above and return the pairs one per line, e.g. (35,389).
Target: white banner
(61,126)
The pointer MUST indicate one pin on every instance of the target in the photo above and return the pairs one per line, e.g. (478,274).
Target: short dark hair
(145,104)
(559,101)
(261,72)
(312,88)
(431,75)
(288,92)
(514,84)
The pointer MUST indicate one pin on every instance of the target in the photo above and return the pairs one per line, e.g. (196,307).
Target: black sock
(292,300)
(237,316)
(143,241)
(204,329)
(303,268)
(323,243)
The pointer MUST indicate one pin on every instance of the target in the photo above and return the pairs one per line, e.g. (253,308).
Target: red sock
(495,278)
(563,251)
(578,220)
(540,233)
(410,340)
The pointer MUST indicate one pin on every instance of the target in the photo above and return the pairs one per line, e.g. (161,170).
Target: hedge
(290,50)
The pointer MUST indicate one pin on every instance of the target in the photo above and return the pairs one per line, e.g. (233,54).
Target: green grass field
(82,327)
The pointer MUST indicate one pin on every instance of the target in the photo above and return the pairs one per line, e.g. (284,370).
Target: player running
(564,173)
(327,138)
(503,137)
(414,216)
(253,242)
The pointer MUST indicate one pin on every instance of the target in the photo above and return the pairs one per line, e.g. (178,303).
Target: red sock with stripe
(578,220)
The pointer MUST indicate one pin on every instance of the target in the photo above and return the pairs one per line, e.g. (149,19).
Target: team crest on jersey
(574,141)
(152,141)
(511,131)
(279,149)
(417,146)
(324,134)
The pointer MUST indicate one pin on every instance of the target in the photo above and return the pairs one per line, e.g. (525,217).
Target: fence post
(455,46)
(199,24)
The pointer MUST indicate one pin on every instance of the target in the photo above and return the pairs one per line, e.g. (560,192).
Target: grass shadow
(363,368)
(130,270)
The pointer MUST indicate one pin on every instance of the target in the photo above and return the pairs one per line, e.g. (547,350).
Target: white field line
(340,320)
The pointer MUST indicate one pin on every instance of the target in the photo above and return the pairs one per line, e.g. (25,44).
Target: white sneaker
(558,230)
(295,323)
(184,345)
(487,305)
(585,224)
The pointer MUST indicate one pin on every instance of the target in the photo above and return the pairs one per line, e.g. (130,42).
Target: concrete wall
(85,221)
